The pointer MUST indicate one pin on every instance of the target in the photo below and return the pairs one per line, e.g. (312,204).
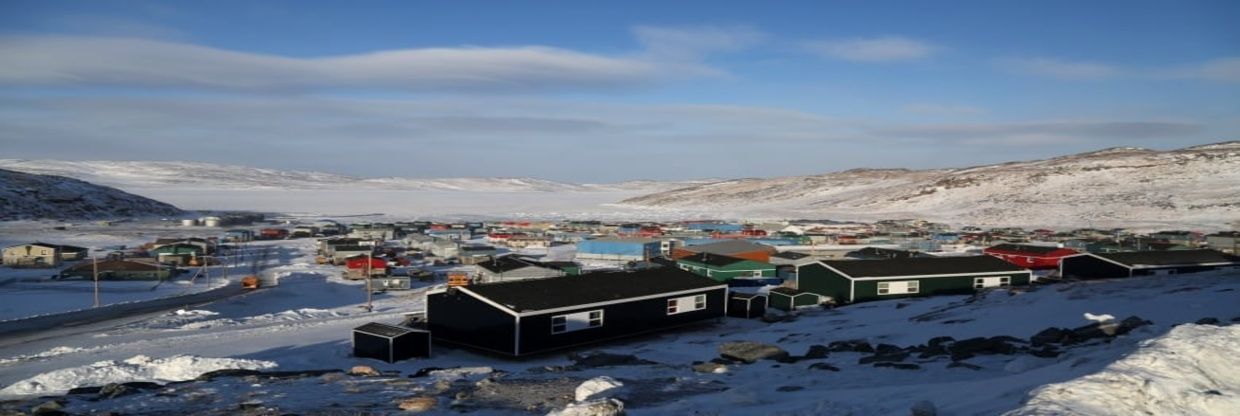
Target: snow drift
(1193,370)
(137,368)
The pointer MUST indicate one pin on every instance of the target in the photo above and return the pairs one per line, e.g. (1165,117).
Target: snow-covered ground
(25,299)
(304,324)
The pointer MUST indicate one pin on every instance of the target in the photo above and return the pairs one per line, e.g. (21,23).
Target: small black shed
(746,305)
(390,343)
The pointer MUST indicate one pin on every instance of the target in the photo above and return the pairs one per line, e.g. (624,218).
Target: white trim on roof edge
(625,300)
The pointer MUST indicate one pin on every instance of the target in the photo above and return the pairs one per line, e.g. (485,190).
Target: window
(686,304)
(757,273)
(576,321)
(898,288)
(1028,259)
(985,282)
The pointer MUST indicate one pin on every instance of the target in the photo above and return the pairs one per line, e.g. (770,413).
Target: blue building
(620,250)
(713,226)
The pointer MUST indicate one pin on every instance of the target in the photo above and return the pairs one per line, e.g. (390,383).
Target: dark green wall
(931,286)
(816,278)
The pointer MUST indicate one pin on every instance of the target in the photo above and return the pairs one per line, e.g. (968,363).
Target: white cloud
(1058,68)
(130,62)
(880,49)
(932,109)
(696,42)
(1222,70)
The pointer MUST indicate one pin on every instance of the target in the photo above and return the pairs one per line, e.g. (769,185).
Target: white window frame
(756,273)
(983,282)
(674,305)
(576,321)
(910,287)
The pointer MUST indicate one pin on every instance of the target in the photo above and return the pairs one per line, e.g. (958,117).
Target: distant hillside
(25,196)
(1112,187)
(193,175)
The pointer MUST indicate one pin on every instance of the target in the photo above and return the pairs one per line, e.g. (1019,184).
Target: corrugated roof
(557,292)
(922,266)
(1170,257)
(729,247)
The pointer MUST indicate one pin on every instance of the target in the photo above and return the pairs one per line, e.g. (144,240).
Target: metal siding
(815,278)
(619,320)
(455,317)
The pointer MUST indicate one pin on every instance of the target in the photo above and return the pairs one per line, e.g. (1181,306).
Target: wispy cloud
(695,42)
(1042,132)
(879,49)
(1222,70)
(1058,68)
(932,109)
(133,62)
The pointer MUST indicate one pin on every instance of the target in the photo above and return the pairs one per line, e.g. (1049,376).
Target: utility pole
(369,293)
(94,265)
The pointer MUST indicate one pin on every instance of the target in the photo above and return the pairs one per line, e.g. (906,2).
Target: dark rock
(891,357)
(817,351)
(250,405)
(1050,336)
(923,408)
(712,368)
(823,366)
(85,390)
(750,352)
(901,305)
(1045,352)
(142,385)
(789,388)
(933,351)
(886,349)
(425,371)
(937,341)
(1208,321)
(114,390)
(968,348)
(724,361)
(49,408)
(788,359)
(602,359)
(898,366)
(1235,320)
(1130,323)
(958,364)
(855,345)
(212,375)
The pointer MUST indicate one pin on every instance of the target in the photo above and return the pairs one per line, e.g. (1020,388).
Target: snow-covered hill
(31,196)
(193,175)
(1196,186)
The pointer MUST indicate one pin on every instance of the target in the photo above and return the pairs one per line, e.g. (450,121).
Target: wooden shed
(746,305)
(390,343)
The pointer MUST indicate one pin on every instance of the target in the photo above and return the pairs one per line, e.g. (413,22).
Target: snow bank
(1193,370)
(58,351)
(138,368)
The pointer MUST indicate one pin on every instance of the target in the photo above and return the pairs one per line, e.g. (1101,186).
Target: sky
(612,91)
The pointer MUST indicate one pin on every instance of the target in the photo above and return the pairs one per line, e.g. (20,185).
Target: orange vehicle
(249,282)
(457,279)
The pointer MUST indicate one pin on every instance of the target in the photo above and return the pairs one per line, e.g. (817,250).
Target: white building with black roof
(536,316)
(1145,263)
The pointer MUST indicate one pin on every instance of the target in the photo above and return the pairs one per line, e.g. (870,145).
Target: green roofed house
(786,298)
(724,268)
(849,281)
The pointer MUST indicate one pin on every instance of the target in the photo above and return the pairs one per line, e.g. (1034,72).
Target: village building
(512,268)
(1227,241)
(1031,256)
(734,248)
(788,299)
(620,250)
(341,254)
(849,281)
(536,316)
(879,253)
(746,305)
(32,255)
(725,268)
(358,267)
(121,269)
(1145,263)
(177,253)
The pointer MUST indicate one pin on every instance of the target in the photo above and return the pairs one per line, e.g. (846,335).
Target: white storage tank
(211,221)
(189,223)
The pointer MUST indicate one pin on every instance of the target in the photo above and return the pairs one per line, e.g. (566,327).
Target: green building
(724,268)
(849,281)
(786,298)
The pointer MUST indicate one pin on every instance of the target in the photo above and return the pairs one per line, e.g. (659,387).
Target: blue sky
(586,91)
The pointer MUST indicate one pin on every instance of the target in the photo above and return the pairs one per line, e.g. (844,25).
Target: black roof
(385,330)
(788,291)
(1169,257)
(922,266)
(712,259)
(557,292)
(503,264)
(871,253)
(1028,248)
(790,255)
(347,248)
(739,295)
(729,247)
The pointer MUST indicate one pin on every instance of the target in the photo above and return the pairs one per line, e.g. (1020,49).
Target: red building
(355,267)
(1031,257)
(273,234)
